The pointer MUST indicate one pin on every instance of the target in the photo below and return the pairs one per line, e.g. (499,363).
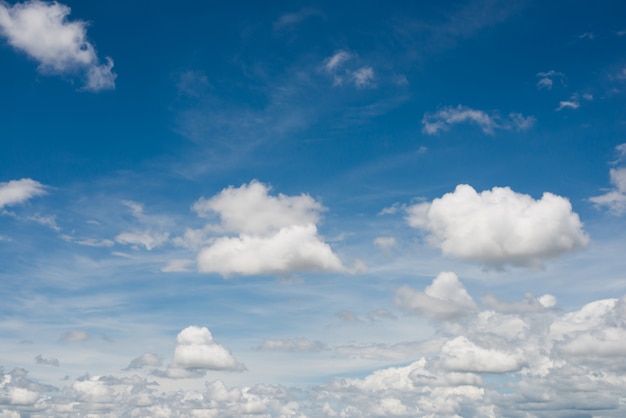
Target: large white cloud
(197,351)
(276,234)
(443,119)
(499,226)
(42,31)
(18,191)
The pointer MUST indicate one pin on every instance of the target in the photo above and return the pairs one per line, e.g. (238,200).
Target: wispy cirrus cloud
(42,31)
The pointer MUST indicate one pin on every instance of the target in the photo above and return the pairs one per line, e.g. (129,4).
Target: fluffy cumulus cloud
(443,119)
(18,191)
(196,352)
(499,227)
(274,234)
(445,298)
(42,31)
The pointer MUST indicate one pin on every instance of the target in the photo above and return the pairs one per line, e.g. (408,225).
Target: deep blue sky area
(312,208)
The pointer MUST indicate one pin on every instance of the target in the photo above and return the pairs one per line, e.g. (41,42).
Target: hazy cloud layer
(43,32)
(499,226)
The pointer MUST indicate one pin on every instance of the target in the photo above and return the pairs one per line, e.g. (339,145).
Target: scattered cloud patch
(359,76)
(568,104)
(443,119)
(145,360)
(18,191)
(291,344)
(147,239)
(276,234)
(445,299)
(499,227)
(196,352)
(43,32)
(49,361)
(363,77)
(547,78)
(588,35)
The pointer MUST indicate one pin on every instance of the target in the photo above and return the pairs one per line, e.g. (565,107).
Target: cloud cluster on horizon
(504,359)
(41,30)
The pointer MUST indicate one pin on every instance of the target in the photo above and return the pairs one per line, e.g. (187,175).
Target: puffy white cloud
(291,344)
(276,234)
(446,298)
(443,119)
(196,351)
(499,226)
(18,191)
(615,199)
(291,249)
(250,209)
(462,355)
(42,31)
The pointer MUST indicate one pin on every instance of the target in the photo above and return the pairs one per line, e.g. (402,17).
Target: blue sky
(312,209)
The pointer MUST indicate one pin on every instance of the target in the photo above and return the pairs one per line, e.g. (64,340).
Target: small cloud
(568,104)
(399,80)
(380,314)
(546,79)
(49,361)
(363,77)
(92,242)
(196,352)
(18,191)
(588,35)
(615,199)
(178,265)
(443,119)
(385,243)
(292,19)
(446,298)
(73,336)
(334,62)
(292,344)
(147,239)
(145,360)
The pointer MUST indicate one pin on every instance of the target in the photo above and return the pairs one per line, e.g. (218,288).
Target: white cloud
(42,31)
(499,226)
(145,360)
(335,61)
(196,351)
(547,78)
(178,265)
(291,19)
(291,344)
(615,199)
(462,355)
(446,298)
(148,239)
(18,191)
(250,209)
(276,234)
(385,243)
(443,119)
(363,77)
(568,104)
